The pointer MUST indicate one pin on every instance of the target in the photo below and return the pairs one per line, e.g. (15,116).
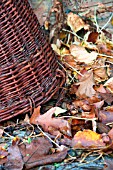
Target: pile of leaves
(82,125)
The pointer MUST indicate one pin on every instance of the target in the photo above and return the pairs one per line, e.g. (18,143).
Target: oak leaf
(86,85)
(82,55)
(50,124)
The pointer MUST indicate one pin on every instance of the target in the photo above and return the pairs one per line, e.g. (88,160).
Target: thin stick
(74,69)
(79,118)
(92,160)
(104,55)
(106,22)
(49,138)
(73,33)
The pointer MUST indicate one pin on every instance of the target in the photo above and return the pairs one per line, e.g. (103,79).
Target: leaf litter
(83,122)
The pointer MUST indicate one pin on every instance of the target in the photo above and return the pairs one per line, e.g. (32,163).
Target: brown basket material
(29,72)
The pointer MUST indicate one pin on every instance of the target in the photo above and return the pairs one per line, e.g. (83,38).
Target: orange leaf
(34,116)
(87,139)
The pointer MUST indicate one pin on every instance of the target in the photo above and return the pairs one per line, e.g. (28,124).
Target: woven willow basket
(29,73)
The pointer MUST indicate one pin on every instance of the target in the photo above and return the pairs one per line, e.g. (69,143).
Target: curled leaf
(75,22)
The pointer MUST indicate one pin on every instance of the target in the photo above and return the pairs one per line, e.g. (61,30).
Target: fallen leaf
(14,159)
(26,120)
(108,164)
(107,97)
(106,138)
(84,105)
(59,110)
(101,89)
(87,139)
(88,115)
(110,134)
(86,85)
(49,123)
(38,153)
(102,128)
(75,22)
(36,149)
(3,152)
(109,108)
(69,61)
(100,74)
(104,50)
(82,55)
(98,105)
(47,159)
(109,84)
(105,116)
(55,48)
(93,37)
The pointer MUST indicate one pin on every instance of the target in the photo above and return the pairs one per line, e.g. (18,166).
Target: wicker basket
(29,73)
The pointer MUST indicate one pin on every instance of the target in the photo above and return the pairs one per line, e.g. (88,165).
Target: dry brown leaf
(109,84)
(98,105)
(99,70)
(105,116)
(86,85)
(100,74)
(75,22)
(69,61)
(87,139)
(14,159)
(104,49)
(108,97)
(50,124)
(93,37)
(3,152)
(82,55)
(101,89)
(110,133)
(84,105)
(55,48)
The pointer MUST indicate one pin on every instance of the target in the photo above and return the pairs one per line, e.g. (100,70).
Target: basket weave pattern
(29,72)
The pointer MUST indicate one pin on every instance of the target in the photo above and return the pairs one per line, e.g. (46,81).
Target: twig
(111,123)
(9,135)
(73,33)
(96,5)
(109,62)
(65,70)
(104,55)
(74,117)
(95,19)
(49,138)
(74,69)
(85,156)
(92,160)
(106,22)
